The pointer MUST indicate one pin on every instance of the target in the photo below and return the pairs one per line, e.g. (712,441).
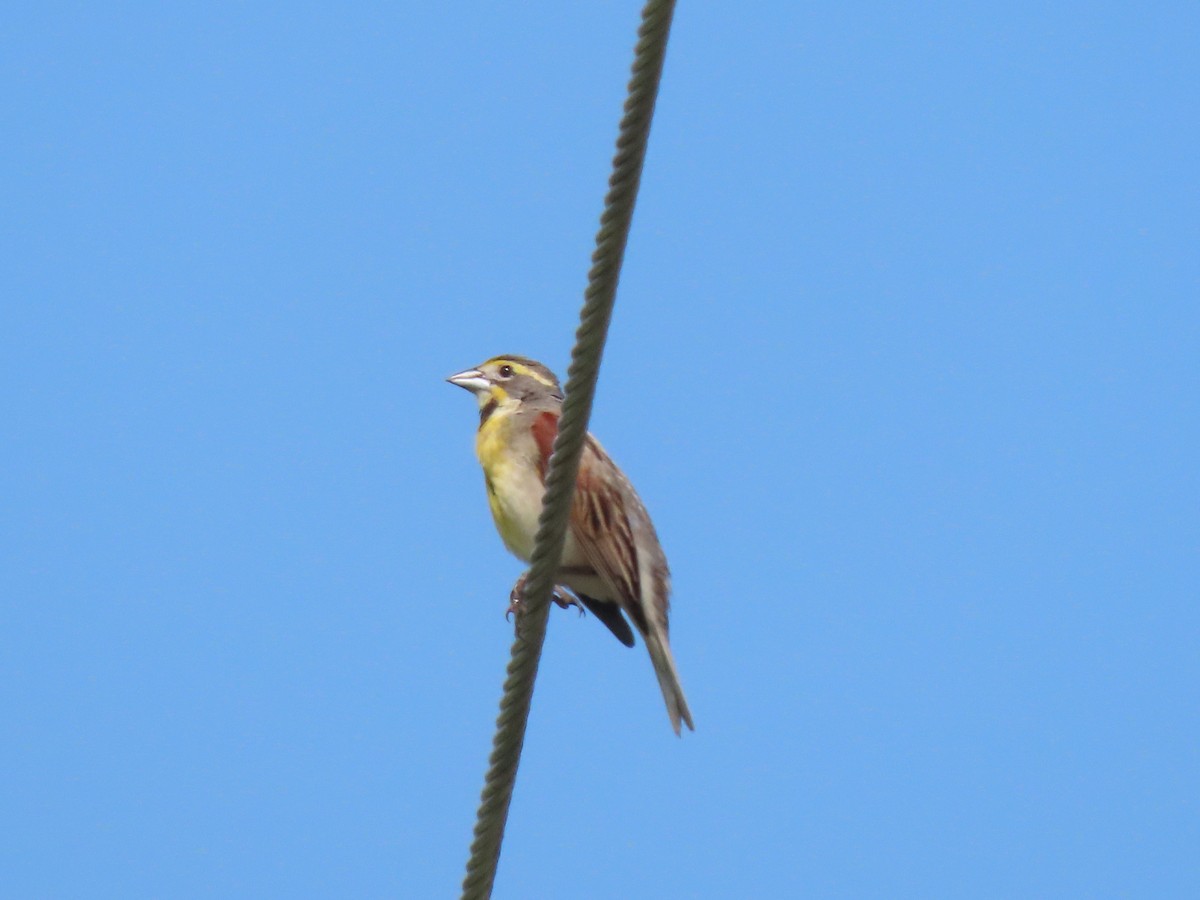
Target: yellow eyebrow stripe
(522,369)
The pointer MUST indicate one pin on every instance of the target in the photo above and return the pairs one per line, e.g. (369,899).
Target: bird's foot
(566,600)
(516,600)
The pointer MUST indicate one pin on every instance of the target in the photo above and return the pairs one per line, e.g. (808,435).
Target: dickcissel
(612,560)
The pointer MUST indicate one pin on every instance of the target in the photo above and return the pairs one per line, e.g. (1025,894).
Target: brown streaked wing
(602,529)
(600,520)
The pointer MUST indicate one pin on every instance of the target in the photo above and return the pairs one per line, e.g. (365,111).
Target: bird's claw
(566,601)
(516,600)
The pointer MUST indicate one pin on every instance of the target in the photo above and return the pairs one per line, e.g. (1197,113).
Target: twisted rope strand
(613,234)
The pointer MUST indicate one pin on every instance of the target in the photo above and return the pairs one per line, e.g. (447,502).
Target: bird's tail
(668,678)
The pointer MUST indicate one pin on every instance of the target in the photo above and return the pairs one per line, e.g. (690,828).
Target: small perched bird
(612,560)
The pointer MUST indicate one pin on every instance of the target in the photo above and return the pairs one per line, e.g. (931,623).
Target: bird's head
(505,380)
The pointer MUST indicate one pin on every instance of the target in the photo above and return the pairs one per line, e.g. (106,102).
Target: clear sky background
(904,364)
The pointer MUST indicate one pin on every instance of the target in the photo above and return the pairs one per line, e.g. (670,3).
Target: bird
(612,560)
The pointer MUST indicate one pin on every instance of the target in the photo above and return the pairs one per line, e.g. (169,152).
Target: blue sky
(904,365)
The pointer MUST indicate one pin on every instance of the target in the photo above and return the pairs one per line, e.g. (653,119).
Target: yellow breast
(514,487)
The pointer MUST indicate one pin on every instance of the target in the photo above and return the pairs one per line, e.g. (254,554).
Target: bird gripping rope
(599,296)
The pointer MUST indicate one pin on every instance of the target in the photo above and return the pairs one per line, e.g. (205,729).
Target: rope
(599,296)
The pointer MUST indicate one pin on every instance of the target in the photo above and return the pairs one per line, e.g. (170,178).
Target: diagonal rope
(599,296)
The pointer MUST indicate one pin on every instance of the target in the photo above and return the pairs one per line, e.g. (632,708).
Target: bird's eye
(506,371)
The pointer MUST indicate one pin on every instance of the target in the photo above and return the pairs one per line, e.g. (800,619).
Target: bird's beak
(472,379)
